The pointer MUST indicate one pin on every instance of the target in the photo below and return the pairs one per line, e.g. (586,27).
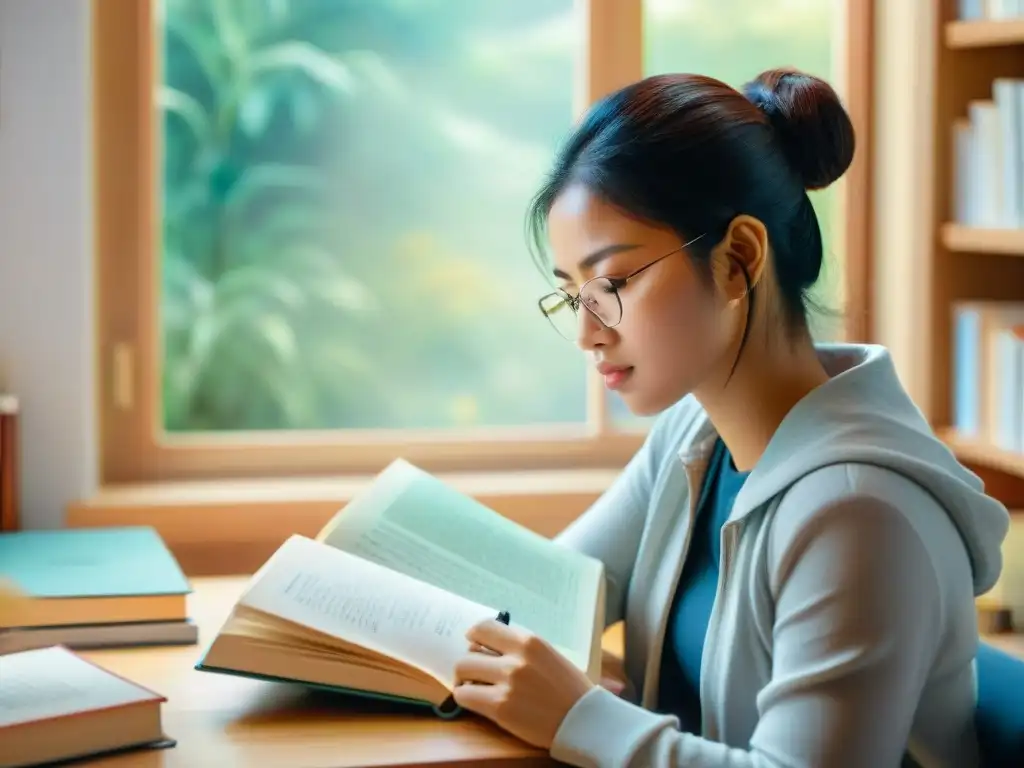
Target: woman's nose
(592,333)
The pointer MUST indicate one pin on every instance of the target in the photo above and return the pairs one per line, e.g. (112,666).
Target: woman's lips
(615,376)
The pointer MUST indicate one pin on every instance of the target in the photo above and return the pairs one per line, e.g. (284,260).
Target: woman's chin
(641,406)
(644,404)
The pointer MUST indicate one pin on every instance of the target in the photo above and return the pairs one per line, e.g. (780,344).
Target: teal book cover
(91,562)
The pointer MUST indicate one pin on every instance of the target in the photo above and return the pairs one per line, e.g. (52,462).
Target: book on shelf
(989,10)
(988,373)
(91,588)
(988,159)
(56,706)
(10,501)
(379,602)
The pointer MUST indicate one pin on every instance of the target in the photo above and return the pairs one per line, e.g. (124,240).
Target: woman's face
(675,330)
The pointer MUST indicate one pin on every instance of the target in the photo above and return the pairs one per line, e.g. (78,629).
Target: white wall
(46,274)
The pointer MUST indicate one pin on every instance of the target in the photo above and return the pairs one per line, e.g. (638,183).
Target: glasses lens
(556,309)
(601,298)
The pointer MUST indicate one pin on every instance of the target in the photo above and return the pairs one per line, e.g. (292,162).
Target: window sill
(233,526)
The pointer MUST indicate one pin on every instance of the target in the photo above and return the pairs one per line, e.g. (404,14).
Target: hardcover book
(379,602)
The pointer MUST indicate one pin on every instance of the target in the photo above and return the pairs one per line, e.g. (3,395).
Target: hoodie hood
(864,415)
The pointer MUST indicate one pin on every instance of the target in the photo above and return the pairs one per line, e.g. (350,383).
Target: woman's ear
(743,248)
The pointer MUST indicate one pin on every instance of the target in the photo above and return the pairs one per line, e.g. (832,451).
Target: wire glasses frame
(600,295)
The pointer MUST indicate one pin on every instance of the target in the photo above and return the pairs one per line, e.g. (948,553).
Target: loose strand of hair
(746,322)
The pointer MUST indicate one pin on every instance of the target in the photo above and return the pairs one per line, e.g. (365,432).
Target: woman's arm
(856,629)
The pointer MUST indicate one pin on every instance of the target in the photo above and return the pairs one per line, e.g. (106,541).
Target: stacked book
(55,706)
(91,588)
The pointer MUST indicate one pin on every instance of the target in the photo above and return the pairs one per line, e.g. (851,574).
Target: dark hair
(692,153)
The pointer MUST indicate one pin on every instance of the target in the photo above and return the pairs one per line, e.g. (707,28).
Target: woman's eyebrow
(593,259)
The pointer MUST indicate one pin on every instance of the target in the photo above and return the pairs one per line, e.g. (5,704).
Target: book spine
(1019,333)
(988,373)
(9,465)
(1005,92)
(966,362)
(1008,417)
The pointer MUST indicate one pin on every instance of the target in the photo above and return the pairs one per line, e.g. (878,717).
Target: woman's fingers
(480,668)
(482,699)
(497,636)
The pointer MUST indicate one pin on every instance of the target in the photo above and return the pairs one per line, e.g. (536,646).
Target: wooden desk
(223,721)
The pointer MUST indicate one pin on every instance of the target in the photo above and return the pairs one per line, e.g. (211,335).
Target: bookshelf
(973,333)
(976,333)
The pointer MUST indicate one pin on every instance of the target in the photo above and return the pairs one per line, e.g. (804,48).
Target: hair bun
(810,122)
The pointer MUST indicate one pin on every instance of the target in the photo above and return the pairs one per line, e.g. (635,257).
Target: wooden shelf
(968,239)
(976,452)
(984,34)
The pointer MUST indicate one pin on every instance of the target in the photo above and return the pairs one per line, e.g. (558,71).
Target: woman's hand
(519,681)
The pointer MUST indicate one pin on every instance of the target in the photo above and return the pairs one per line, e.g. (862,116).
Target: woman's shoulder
(859,504)
(844,482)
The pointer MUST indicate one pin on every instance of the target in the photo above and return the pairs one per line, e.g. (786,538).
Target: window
(310,222)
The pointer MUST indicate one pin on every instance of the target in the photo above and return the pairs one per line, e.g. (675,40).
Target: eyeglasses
(600,295)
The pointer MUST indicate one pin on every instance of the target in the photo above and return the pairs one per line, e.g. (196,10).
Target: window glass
(343,187)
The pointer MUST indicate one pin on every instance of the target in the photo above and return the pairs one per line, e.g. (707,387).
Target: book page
(52,682)
(335,593)
(411,522)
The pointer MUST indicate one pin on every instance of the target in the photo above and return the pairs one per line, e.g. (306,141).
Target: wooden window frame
(133,450)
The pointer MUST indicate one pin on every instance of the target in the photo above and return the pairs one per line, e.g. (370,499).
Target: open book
(380,602)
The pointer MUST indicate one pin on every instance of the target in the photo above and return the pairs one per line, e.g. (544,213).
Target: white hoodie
(844,629)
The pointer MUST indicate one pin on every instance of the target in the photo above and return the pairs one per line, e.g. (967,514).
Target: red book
(9,498)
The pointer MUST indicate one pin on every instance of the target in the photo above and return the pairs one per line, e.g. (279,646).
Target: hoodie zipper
(729,538)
